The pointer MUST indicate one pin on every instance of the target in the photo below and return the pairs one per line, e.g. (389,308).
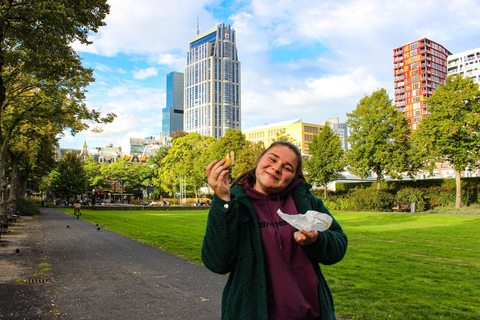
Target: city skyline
(299,58)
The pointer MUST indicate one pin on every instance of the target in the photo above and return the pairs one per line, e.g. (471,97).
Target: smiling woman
(273,268)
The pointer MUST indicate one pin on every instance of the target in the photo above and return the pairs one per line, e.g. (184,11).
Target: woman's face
(275,170)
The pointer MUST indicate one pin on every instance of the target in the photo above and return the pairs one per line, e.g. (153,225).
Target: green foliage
(326,162)
(378,139)
(247,158)
(187,158)
(68,179)
(450,132)
(27,207)
(233,140)
(371,200)
(93,170)
(42,80)
(409,195)
(282,136)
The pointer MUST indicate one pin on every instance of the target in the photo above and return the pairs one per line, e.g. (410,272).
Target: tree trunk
(325,192)
(14,184)
(3,185)
(458,180)
(379,182)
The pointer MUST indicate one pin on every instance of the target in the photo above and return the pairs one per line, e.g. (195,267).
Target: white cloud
(299,58)
(145,73)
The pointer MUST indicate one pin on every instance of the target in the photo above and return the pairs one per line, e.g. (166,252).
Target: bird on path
(98,228)
(97,224)
(17,252)
(68,226)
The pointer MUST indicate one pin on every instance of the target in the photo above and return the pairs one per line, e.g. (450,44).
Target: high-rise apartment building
(466,63)
(212,83)
(419,68)
(172,114)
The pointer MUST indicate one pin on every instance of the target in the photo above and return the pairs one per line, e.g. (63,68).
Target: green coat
(232,244)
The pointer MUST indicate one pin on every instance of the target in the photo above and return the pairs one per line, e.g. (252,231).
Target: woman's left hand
(305,237)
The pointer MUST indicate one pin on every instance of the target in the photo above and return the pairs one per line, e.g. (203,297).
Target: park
(398,265)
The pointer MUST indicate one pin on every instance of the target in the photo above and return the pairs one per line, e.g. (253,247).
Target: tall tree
(41,76)
(326,161)
(450,133)
(378,138)
(68,179)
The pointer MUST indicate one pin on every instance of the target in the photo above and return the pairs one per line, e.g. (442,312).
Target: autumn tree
(378,139)
(41,76)
(326,158)
(450,132)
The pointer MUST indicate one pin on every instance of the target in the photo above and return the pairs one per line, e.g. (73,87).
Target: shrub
(27,207)
(371,200)
(409,195)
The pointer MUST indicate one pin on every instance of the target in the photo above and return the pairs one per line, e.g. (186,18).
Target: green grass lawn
(398,266)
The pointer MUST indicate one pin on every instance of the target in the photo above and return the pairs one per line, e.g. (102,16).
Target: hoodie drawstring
(275,225)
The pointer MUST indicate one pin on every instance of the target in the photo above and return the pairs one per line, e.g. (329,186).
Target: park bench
(400,207)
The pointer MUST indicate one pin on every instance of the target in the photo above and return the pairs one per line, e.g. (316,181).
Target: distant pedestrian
(76,209)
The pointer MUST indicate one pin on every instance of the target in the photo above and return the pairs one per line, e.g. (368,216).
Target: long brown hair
(248,178)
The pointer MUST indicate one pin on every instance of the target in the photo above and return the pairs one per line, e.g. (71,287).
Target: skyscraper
(466,63)
(212,83)
(419,68)
(172,114)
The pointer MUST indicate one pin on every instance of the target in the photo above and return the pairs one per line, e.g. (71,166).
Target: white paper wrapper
(311,220)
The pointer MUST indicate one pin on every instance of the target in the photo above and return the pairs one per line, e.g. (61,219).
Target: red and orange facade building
(419,68)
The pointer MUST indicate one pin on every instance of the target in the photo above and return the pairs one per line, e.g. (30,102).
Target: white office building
(212,83)
(465,63)
(340,129)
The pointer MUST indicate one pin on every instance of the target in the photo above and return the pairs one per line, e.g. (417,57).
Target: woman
(274,269)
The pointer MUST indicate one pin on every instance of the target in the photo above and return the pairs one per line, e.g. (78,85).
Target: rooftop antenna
(198,28)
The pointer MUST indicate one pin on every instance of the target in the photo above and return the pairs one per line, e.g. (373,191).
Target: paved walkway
(98,274)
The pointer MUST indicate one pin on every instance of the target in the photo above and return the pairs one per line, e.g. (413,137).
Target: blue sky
(309,59)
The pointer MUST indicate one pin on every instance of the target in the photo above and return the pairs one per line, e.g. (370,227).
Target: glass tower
(172,114)
(212,83)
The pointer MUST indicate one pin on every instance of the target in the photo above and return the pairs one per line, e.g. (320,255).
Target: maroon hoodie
(292,286)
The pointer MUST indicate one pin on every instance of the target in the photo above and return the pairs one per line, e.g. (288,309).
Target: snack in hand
(229,159)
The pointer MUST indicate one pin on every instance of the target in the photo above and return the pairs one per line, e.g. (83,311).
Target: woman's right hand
(217,175)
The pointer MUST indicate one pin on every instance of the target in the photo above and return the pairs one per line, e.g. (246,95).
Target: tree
(68,179)
(451,131)
(96,179)
(326,161)
(185,159)
(123,174)
(150,170)
(282,136)
(31,154)
(378,137)
(41,76)
(233,140)
(247,158)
